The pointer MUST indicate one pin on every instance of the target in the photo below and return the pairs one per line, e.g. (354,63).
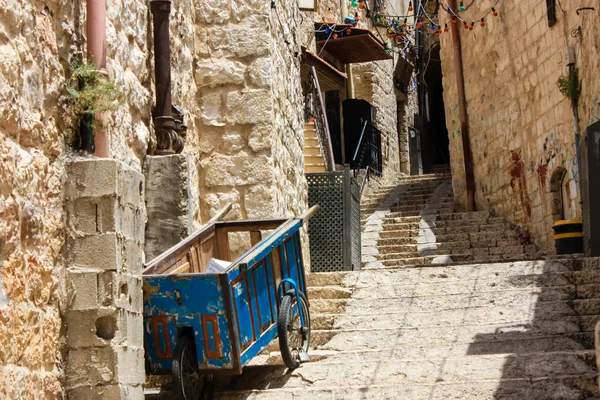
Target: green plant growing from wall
(91,93)
(570,85)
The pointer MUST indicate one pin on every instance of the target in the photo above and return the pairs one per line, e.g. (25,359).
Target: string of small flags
(400,31)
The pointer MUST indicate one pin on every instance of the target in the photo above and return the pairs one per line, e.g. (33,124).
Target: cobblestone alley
(446,307)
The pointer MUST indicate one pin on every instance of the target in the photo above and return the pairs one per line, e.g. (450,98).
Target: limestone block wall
(34,131)
(103,322)
(406,116)
(521,126)
(37,130)
(249,128)
(374,82)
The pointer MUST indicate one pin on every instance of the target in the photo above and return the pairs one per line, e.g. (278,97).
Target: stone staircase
(374,199)
(406,328)
(419,224)
(508,331)
(313,158)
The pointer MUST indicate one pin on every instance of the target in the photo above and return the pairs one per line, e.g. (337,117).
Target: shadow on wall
(548,348)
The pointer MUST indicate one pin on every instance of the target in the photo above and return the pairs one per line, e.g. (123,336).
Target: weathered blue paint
(262,292)
(259,345)
(250,285)
(272,288)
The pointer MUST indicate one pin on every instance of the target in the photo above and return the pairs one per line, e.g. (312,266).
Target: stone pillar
(167,202)
(104,253)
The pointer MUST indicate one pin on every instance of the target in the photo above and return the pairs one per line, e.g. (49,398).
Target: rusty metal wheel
(187,380)
(294,341)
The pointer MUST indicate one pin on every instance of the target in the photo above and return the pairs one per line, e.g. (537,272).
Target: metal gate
(335,230)
(590,189)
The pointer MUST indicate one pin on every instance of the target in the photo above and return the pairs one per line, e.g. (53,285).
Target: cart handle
(309,213)
(221,213)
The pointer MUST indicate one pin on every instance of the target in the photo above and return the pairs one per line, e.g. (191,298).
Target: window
(551,6)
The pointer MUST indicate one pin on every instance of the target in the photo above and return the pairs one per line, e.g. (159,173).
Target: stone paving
(410,329)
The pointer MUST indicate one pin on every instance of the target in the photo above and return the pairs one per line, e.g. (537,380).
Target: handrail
(321,124)
(365,179)
(359,145)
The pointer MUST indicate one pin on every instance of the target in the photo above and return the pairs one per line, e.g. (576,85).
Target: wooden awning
(357,46)
(330,78)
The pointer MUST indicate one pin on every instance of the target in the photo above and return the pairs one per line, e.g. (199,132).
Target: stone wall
(37,133)
(374,82)
(521,126)
(249,127)
(104,254)
(406,117)
(238,82)
(34,129)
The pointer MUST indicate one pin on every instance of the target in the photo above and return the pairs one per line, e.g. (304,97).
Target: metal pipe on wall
(96,50)
(164,122)
(348,67)
(464,118)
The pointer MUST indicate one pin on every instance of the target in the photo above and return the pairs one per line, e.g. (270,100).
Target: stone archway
(556,189)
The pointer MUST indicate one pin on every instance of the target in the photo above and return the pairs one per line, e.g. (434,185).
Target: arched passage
(557,182)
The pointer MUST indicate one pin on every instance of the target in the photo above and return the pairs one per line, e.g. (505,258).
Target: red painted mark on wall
(542,171)
(518,181)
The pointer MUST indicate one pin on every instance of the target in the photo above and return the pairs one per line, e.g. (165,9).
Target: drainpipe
(168,129)
(96,46)
(464,118)
(349,74)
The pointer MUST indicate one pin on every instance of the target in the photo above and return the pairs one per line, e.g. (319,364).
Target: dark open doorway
(432,120)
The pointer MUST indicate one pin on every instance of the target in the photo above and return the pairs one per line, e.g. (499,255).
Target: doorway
(434,134)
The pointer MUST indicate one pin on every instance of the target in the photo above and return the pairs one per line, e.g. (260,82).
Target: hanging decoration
(401,34)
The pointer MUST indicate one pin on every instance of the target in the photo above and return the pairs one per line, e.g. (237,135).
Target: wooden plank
(277,269)
(255,237)
(182,269)
(248,226)
(356,49)
(222,245)
(309,213)
(195,259)
(176,252)
(207,249)
(221,213)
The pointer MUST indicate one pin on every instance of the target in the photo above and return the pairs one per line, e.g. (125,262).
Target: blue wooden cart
(199,324)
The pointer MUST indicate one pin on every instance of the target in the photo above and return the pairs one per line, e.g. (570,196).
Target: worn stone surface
(167,183)
(104,255)
(511,68)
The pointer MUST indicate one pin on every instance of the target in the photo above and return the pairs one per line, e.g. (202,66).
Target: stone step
(314,168)
(474,278)
(566,388)
(399,256)
(448,259)
(399,234)
(312,150)
(329,292)
(396,241)
(375,368)
(343,279)
(316,159)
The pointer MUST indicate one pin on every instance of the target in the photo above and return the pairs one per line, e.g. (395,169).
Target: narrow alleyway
(482,324)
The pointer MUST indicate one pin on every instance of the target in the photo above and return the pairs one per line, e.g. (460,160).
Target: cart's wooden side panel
(261,272)
(193,305)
